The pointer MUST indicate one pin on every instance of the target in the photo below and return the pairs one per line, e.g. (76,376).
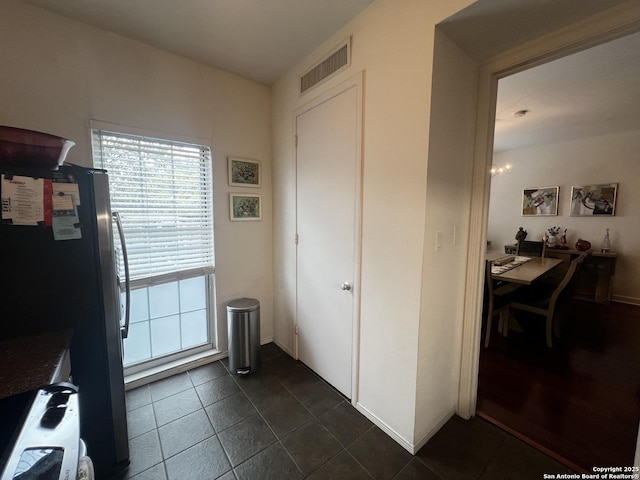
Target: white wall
(604,159)
(393,43)
(451,144)
(57,74)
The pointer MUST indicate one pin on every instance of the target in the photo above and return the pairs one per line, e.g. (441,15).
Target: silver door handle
(345,286)
(124,329)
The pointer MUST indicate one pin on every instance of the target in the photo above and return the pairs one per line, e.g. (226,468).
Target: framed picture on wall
(594,200)
(244,172)
(540,201)
(244,207)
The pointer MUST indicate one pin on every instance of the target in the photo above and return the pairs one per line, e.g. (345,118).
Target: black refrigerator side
(70,282)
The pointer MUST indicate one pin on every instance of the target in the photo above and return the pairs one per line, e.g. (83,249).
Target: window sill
(178,366)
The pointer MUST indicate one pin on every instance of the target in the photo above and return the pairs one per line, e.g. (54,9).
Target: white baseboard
(422,442)
(403,442)
(629,300)
(285,349)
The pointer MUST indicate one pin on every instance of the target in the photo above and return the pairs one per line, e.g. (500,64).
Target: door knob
(345,286)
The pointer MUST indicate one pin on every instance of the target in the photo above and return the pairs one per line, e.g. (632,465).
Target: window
(164,194)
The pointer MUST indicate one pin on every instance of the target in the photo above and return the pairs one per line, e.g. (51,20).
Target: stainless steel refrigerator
(58,268)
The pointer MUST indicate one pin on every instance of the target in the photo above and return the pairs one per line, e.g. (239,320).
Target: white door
(328,186)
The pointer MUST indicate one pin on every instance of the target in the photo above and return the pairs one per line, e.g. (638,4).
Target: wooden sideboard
(595,281)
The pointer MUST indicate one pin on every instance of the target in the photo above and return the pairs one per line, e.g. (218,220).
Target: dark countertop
(30,362)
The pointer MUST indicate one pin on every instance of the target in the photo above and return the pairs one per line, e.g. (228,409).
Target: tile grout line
(202,407)
(157,428)
(314,418)
(317,418)
(493,457)
(278,439)
(215,432)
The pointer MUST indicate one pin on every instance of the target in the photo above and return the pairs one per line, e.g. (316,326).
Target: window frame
(150,280)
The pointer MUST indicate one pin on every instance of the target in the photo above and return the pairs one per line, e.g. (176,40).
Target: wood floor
(580,401)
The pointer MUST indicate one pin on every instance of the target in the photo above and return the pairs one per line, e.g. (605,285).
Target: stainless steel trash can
(243,326)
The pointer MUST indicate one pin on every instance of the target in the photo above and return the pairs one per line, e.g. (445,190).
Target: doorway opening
(560,399)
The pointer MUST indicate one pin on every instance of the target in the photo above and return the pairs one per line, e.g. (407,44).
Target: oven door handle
(60,387)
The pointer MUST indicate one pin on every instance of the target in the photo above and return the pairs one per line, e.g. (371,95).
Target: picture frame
(245,207)
(598,200)
(540,201)
(244,172)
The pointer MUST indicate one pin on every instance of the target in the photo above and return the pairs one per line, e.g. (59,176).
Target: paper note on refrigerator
(69,189)
(62,201)
(65,222)
(22,200)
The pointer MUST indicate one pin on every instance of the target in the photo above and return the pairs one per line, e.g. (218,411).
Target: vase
(552,241)
(605,246)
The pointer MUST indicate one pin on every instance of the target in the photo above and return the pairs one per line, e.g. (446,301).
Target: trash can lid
(243,304)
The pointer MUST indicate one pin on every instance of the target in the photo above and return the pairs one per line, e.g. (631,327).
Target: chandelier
(500,169)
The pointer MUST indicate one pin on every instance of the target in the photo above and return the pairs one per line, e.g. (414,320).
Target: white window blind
(163,191)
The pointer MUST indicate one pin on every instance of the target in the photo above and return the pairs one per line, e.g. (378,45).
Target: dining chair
(549,301)
(498,296)
(526,248)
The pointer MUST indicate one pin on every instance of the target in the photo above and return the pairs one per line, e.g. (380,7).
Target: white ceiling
(592,92)
(255,39)
(487,28)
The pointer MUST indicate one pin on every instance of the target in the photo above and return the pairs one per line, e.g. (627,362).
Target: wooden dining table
(525,273)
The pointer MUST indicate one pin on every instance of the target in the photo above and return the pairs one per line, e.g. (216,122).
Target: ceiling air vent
(334,63)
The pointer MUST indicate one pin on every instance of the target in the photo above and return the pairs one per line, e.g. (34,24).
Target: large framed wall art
(540,201)
(594,200)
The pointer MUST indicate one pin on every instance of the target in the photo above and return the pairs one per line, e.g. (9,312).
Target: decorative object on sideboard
(583,245)
(605,246)
(563,239)
(521,234)
(552,236)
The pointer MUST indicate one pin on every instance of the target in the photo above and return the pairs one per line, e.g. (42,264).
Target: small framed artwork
(244,207)
(594,200)
(244,172)
(540,201)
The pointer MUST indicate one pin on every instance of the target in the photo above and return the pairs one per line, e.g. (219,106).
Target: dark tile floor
(283,422)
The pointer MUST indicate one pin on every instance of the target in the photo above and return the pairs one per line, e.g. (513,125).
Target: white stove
(46,443)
